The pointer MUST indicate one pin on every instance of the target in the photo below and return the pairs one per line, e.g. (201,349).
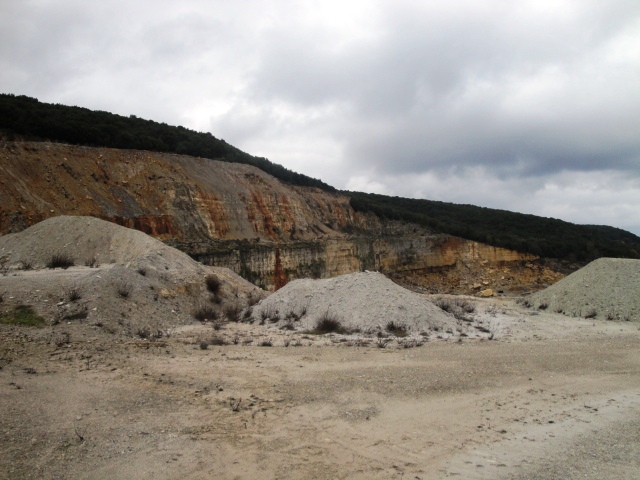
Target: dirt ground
(548,397)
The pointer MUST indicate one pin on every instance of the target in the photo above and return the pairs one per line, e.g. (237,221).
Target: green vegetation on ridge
(547,237)
(31,118)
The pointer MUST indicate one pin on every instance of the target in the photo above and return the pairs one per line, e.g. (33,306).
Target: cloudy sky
(531,106)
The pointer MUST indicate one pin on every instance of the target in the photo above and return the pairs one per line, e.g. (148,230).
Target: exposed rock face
(167,196)
(224,214)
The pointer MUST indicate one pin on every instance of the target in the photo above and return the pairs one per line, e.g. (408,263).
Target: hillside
(28,117)
(551,238)
(547,237)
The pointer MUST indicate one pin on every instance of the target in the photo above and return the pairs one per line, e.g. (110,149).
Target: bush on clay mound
(328,323)
(61,260)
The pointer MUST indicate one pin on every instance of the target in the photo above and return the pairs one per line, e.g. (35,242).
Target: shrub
(205,313)
(591,314)
(217,341)
(61,260)
(543,306)
(396,329)
(233,312)
(213,283)
(142,271)
(328,323)
(266,343)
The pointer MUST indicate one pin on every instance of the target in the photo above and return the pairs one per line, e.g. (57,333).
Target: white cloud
(531,106)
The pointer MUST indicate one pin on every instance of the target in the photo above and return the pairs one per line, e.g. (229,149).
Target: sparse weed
(465,305)
(91,262)
(235,404)
(147,333)
(253,298)
(269,314)
(142,271)
(73,293)
(591,314)
(81,315)
(543,306)
(26,265)
(232,312)
(218,341)
(445,305)
(124,289)
(61,339)
(288,325)
(409,343)
(266,343)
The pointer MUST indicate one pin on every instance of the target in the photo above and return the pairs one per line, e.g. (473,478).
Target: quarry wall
(221,213)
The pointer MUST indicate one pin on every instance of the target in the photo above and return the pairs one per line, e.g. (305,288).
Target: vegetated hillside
(27,116)
(547,237)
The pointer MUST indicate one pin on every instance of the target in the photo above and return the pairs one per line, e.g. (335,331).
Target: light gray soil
(368,302)
(607,288)
(137,283)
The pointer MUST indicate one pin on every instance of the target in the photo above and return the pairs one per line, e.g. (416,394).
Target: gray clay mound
(365,301)
(607,288)
(136,281)
(89,239)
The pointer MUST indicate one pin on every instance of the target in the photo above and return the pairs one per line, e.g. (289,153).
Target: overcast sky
(531,106)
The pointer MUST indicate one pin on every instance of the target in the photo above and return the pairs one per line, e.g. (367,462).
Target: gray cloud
(530,102)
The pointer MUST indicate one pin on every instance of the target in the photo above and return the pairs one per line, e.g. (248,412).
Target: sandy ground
(549,397)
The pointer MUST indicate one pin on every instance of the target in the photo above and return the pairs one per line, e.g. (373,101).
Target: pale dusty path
(536,403)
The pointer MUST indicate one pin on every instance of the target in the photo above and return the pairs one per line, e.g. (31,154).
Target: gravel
(135,284)
(368,301)
(607,288)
